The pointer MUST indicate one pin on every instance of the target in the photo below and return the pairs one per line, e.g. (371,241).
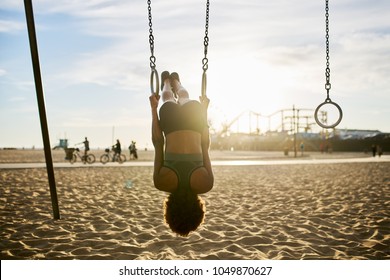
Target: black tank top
(175,117)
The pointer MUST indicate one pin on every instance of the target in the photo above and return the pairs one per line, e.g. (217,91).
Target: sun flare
(246,96)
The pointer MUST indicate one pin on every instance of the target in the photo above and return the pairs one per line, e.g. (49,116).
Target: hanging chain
(151,37)
(154,79)
(328,101)
(327,71)
(205,60)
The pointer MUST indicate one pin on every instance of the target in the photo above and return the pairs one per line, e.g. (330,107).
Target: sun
(252,90)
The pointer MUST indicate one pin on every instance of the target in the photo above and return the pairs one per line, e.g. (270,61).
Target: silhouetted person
(133,150)
(117,149)
(86,147)
(379,151)
(373,149)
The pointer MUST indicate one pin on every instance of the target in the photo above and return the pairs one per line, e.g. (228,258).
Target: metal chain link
(154,74)
(151,37)
(205,60)
(154,79)
(327,71)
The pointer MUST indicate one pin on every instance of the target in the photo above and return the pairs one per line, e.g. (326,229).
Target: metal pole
(41,105)
(113,134)
(295,132)
(250,122)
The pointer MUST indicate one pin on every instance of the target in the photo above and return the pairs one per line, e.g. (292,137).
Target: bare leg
(181,92)
(167,93)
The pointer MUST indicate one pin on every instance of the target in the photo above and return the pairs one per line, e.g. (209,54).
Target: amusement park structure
(294,120)
(280,130)
(292,130)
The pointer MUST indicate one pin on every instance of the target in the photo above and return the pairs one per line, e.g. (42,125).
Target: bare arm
(205,142)
(164,179)
(206,155)
(157,136)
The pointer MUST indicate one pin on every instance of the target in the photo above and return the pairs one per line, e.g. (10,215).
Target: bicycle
(73,153)
(112,156)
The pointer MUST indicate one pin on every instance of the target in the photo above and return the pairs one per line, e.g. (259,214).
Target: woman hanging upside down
(183,169)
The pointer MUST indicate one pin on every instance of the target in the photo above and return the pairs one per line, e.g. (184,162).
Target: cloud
(17,99)
(10,26)
(122,61)
(11,5)
(113,67)
(366,57)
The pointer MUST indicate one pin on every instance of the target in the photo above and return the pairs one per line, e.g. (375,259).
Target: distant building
(62,145)
(345,134)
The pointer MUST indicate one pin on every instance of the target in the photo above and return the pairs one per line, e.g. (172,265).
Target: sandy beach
(311,211)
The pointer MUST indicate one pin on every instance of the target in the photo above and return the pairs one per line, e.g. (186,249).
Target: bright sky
(263,56)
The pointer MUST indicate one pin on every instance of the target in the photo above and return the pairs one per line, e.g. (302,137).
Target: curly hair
(184,211)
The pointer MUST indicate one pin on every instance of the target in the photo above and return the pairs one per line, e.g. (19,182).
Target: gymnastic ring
(328,101)
(204,83)
(154,82)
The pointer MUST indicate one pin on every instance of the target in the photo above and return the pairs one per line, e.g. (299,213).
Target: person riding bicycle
(86,147)
(117,150)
